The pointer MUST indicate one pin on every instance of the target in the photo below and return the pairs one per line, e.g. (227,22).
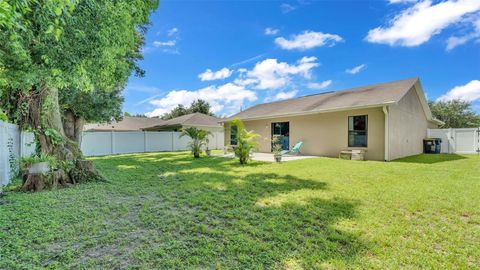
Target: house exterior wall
(407,126)
(324,134)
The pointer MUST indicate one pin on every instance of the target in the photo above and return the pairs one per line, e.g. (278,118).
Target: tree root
(83,172)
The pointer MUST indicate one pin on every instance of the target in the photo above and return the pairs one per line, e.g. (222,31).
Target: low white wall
(110,143)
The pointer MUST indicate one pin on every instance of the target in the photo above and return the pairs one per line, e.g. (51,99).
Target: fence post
(112,141)
(478,140)
(173,140)
(144,141)
(3,156)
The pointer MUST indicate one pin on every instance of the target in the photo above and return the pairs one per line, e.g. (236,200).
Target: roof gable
(360,97)
(128,123)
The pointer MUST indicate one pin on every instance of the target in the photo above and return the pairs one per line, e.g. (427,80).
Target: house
(198,120)
(128,123)
(387,120)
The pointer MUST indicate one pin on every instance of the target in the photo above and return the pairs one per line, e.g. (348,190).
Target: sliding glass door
(282,131)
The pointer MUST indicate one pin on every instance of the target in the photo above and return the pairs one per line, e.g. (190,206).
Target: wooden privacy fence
(110,143)
(458,140)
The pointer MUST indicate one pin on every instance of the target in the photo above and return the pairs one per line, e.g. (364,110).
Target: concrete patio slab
(268,157)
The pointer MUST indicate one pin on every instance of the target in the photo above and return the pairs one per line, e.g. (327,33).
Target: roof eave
(340,109)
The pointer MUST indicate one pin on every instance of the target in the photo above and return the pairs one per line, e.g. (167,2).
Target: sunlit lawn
(168,210)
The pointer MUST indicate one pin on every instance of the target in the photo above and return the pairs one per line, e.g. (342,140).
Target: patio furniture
(295,150)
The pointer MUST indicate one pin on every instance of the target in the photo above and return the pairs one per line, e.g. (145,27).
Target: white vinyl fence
(458,140)
(110,143)
(13,145)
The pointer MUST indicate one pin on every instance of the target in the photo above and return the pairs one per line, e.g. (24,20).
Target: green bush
(199,139)
(245,141)
(3,116)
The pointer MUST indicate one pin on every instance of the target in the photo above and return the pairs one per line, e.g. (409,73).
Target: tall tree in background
(197,106)
(455,113)
(200,106)
(175,112)
(71,47)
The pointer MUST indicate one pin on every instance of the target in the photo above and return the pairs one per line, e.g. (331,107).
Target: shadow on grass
(170,211)
(430,158)
(210,216)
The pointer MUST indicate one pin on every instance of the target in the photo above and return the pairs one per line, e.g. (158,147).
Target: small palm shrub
(199,139)
(245,141)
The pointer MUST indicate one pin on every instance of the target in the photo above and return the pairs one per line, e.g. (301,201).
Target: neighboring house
(388,121)
(128,123)
(198,120)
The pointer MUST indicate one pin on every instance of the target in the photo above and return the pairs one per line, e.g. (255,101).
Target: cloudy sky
(237,54)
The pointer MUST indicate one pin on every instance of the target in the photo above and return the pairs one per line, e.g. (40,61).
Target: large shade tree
(71,47)
(455,113)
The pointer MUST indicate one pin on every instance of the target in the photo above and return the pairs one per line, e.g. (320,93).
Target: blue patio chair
(295,150)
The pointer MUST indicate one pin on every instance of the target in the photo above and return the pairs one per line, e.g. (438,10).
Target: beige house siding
(407,126)
(324,134)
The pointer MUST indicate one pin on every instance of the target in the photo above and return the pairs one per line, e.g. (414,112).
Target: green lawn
(167,210)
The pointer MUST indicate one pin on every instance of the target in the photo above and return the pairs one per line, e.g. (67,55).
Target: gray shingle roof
(365,96)
(127,124)
(193,119)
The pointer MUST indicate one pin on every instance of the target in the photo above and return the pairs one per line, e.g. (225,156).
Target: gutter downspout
(387,137)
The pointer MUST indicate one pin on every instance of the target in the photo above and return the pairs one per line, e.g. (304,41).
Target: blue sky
(235,54)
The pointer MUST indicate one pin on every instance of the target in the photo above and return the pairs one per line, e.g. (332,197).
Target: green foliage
(53,135)
(69,45)
(276,145)
(175,112)
(96,106)
(246,141)
(197,106)
(3,116)
(25,162)
(455,113)
(200,106)
(199,139)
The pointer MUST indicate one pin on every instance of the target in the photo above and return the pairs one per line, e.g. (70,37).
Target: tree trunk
(45,118)
(73,126)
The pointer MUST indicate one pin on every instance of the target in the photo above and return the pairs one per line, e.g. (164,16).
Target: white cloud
(469,92)
(271,74)
(308,40)
(210,75)
(172,31)
(286,8)
(320,85)
(455,41)
(269,31)
(282,96)
(356,69)
(417,24)
(169,43)
(228,98)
